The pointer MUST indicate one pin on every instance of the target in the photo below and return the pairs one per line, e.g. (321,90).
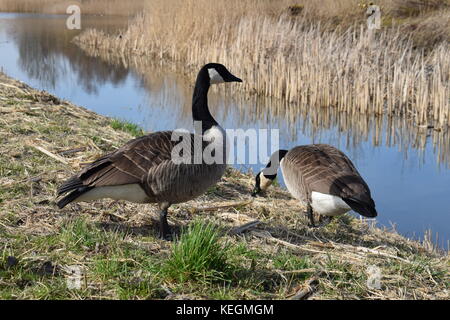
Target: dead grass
(44,140)
(308,60)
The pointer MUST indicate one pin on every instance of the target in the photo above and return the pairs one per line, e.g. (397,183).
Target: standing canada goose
(143,170)
(321,177)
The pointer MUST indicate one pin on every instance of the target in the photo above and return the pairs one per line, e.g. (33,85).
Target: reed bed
(101,7)
(353,130)
(294,57)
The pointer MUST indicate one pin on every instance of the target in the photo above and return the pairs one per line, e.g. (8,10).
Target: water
(407,168)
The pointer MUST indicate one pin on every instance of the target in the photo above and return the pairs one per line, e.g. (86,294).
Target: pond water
(407,168)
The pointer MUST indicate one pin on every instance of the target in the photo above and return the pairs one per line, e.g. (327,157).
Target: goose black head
(262,182)
(218,73)
(267,176)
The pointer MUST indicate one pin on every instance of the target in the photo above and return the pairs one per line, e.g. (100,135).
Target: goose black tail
(365,208)
(76,186)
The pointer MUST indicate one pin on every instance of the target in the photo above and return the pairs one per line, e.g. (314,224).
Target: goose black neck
(200,110)
(270,171)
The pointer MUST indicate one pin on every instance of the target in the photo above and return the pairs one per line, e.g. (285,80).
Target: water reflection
(47,55)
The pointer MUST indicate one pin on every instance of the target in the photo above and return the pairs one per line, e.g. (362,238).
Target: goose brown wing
(128,165)
(325,169)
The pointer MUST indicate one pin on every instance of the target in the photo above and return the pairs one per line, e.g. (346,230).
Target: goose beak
(234,79)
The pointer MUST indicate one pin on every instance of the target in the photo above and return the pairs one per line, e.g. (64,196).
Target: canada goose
(143,170)
(321,177)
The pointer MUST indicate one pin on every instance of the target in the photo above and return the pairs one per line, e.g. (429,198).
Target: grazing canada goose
(321,177)
(143,170)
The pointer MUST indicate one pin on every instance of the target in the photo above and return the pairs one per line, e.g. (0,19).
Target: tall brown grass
(106,7)
(295,58)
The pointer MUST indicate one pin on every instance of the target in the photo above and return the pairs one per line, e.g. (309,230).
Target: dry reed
(171,88)
(295,58)
(102,7)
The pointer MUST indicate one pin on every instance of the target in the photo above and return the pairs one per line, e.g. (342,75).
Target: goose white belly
(328,205)
(129,192)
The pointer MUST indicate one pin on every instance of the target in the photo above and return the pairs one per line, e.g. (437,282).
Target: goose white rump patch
(129,192)
(328,205)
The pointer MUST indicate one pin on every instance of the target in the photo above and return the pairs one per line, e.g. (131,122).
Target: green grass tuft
(198,255)
(287,261)
(126,126)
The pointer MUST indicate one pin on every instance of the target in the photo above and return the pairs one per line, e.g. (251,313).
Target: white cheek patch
(214,76)
(264,182)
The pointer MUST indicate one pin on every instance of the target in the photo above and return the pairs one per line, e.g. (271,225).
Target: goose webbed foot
(164,229)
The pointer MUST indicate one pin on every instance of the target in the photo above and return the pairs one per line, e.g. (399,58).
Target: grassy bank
(44,140)
(99,7)
(309,53)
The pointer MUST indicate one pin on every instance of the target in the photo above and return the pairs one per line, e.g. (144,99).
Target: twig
(239,217)
(115,215)
(74,150)
(305,293)
(332,245)
(32,179)
(234,204)
(48,153)
(308,270)
(92,143)
(371,251)
(112,143)
(431,276)
(268,236)
(379,253)
(244,227)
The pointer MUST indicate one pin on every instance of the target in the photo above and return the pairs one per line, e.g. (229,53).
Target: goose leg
(309,213)
(164,229)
